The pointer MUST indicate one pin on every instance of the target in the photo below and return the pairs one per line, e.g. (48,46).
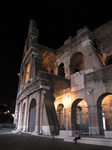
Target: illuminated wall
(84,111)
(27,73)
(107,107)
(48,61)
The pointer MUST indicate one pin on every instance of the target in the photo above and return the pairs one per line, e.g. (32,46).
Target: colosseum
(69,89)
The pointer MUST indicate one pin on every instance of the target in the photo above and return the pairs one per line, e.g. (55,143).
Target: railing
(7,125)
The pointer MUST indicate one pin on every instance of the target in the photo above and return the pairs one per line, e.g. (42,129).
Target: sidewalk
(5,131)
(90,140)
(102,141)
(29,142)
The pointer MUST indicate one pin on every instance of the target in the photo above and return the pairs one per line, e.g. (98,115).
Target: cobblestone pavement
(12,141)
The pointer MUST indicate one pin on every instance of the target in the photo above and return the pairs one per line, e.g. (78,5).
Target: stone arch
(32,115)
(76,62)
(79,116)
(104,106)
(61,71)
(61,116)
(60,87)
(48,61)
(108,60)
(23,115)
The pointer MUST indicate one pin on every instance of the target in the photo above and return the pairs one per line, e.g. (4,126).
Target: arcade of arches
(72,115)
(68,89)
(31,116)
(79,117)
(75,116)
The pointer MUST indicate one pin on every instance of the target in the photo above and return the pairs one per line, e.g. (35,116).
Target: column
(25,115)
(20,117)
(37,120)
(41,111)
(16,114)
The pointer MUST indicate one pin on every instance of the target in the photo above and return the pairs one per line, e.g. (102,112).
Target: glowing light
(64,99)
(27,73)
(6,112)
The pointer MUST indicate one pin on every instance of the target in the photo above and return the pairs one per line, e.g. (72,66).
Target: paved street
(10,141)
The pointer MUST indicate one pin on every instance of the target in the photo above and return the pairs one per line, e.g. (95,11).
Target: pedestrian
(76,137)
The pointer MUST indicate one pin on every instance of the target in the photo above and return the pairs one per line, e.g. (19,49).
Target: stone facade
(61,91)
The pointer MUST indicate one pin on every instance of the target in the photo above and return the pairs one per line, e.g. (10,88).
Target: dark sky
(56,21)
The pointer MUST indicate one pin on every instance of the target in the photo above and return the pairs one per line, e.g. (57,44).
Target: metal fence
(7,125)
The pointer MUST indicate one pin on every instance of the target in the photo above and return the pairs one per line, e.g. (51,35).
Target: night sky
(56,21)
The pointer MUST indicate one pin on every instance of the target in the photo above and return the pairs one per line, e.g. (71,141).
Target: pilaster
(20,117)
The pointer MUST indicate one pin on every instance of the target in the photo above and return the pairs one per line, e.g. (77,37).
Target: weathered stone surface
(69,88)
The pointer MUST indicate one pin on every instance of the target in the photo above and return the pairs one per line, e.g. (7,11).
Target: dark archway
(76,62)
(61,71)
(32,115)
(108,60)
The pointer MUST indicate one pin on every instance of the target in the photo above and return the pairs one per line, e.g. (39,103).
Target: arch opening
(79,116)
(77,63)
(61,71)
(48,61)
(108,60)
(104,105)
(32,115)
(61,116)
